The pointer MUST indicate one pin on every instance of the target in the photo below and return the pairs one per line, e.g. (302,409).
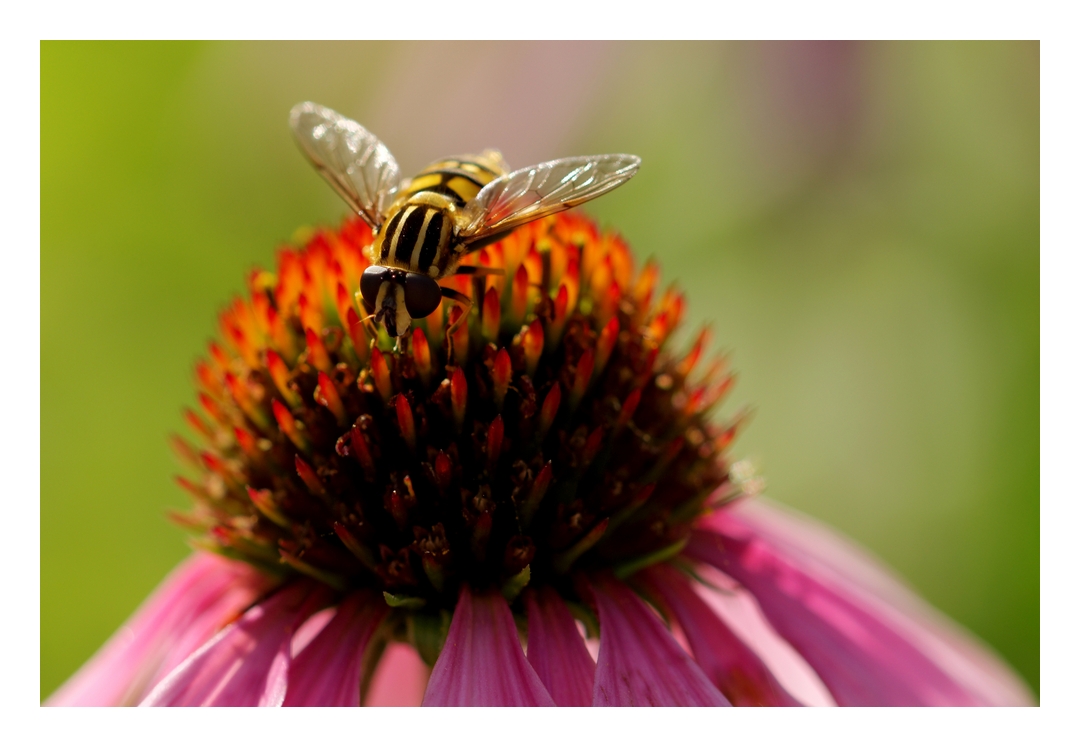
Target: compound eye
(422,295)
(370,282)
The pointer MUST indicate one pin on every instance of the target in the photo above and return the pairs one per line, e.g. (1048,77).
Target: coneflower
(536,509)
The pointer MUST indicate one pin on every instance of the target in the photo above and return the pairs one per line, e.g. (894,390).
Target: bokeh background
(859,222)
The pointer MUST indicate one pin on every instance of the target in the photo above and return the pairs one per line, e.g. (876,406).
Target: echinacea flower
(537,509)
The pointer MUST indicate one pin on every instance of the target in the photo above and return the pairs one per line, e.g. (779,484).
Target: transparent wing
(527,194)
(355,162)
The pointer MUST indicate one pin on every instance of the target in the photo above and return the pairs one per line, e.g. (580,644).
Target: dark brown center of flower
(553,430)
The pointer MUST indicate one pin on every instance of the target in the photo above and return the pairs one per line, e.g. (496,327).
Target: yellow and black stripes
(459,179)
(420,228)
(414,238)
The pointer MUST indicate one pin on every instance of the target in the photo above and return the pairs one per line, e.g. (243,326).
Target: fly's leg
(466,306)
(479,275)
(470,270)
(370,328)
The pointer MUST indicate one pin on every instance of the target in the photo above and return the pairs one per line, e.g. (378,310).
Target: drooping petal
(247,663)
(731,665)
(310,628)
(328,670)
(640,664)
(557,651)
(834,557)
(743,616)
(862,658)
(482,663)
(193,602)
(400,678)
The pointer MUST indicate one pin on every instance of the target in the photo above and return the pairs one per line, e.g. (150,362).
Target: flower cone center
(551,431)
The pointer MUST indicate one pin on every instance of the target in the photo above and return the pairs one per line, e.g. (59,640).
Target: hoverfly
(426,225)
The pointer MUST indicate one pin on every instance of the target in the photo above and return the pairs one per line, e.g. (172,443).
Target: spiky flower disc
(553,432)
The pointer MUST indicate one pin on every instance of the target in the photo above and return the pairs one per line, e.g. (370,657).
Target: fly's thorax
(417,234)
(422,224)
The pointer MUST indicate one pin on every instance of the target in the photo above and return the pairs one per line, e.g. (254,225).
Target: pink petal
(482,663)
(859,655)
(400,678)
(729,663)
(556,650)
(833,557)
(738,609)
(328,670)
(310,628)
(640,663)
(202,594)
(247,663)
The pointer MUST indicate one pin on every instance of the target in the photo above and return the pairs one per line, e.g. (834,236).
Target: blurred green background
(859,221)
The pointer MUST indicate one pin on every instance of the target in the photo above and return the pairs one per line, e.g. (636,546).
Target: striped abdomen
(420,229)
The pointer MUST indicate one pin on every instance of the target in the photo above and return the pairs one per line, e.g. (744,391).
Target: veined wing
(355,162)
(531,193)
